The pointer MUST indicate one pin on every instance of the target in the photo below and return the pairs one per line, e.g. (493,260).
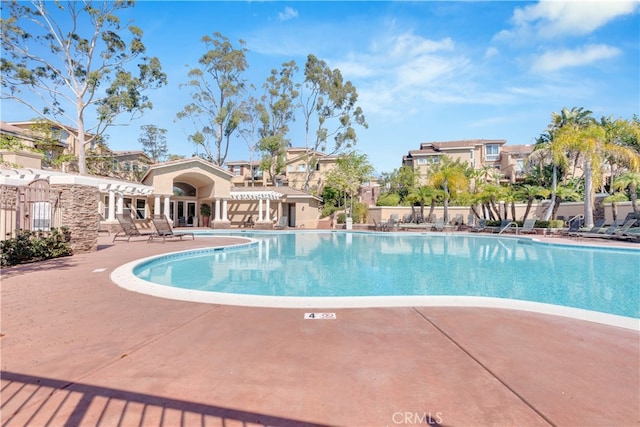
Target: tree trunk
(634,198)
(588,194)
(432,208)
(82,158)
(554,189)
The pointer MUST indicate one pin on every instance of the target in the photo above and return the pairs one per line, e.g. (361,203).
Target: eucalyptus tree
(450,176)
(154,142)
(630,181)
(333,102)
(278,108)
(350,172)
(71,61)
(250,113)
(217,88)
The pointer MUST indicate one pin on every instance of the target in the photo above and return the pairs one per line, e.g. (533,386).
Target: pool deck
(78,350)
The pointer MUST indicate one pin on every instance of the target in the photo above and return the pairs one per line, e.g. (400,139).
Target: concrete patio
(79,350)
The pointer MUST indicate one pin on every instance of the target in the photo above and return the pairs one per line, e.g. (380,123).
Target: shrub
(360,213)
(31,246)
(388,199)
(554,223)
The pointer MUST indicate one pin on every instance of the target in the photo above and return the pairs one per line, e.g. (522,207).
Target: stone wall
(79,205)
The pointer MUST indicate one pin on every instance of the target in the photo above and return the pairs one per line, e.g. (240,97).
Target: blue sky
(424,71)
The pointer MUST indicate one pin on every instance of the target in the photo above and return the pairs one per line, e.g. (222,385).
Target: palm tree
(614,199)
(549,151)
(489,196)
(530,193)
(631,181)
(450,176)
(565,193)
(422,195)
(594,149)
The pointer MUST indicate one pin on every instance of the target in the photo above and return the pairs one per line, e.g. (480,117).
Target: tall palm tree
(594,149)
(548,151)
(450,176)
(631,181)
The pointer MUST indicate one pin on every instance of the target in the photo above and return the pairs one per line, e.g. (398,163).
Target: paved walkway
(78,350)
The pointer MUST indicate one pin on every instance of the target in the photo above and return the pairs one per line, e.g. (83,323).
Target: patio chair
(597,227)
(393,223)
(129,228)
(608,232)
(439,225)
(622,233)
(528,226)
(505,225)
(164,230)
(480,226)
(282,224)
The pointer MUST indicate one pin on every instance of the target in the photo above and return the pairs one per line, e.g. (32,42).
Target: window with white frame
(492,151)
(301,167)
(422,161)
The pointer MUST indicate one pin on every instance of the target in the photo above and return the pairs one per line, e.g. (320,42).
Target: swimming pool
(308,269)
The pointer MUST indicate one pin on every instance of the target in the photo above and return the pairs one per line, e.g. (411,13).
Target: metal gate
(34,207)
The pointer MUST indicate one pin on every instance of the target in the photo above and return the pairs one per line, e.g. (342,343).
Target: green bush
(554,223)
(388,199)
(360,213)
(31,246)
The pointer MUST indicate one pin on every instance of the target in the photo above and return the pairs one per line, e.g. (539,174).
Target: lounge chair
(528,226)
(129,228)
(622,233)
(441,226)
(164,230)
(505,225)
(574,226)
(282,224)
(608,232)
(393,223)
(480,226)
(597,227)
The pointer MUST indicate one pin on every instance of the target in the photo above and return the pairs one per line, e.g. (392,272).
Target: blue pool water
(371,264)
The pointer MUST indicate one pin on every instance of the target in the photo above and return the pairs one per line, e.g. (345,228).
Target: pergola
(260,196)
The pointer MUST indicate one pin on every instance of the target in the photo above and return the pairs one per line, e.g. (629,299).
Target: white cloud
(403,68)
(288,13)
(558,59)
(550,18)
(491,52)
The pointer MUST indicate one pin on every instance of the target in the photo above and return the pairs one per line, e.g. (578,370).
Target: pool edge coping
(124,277)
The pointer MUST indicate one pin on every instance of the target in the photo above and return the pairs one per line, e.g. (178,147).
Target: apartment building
(478,153)
(246,174)
(51,146)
